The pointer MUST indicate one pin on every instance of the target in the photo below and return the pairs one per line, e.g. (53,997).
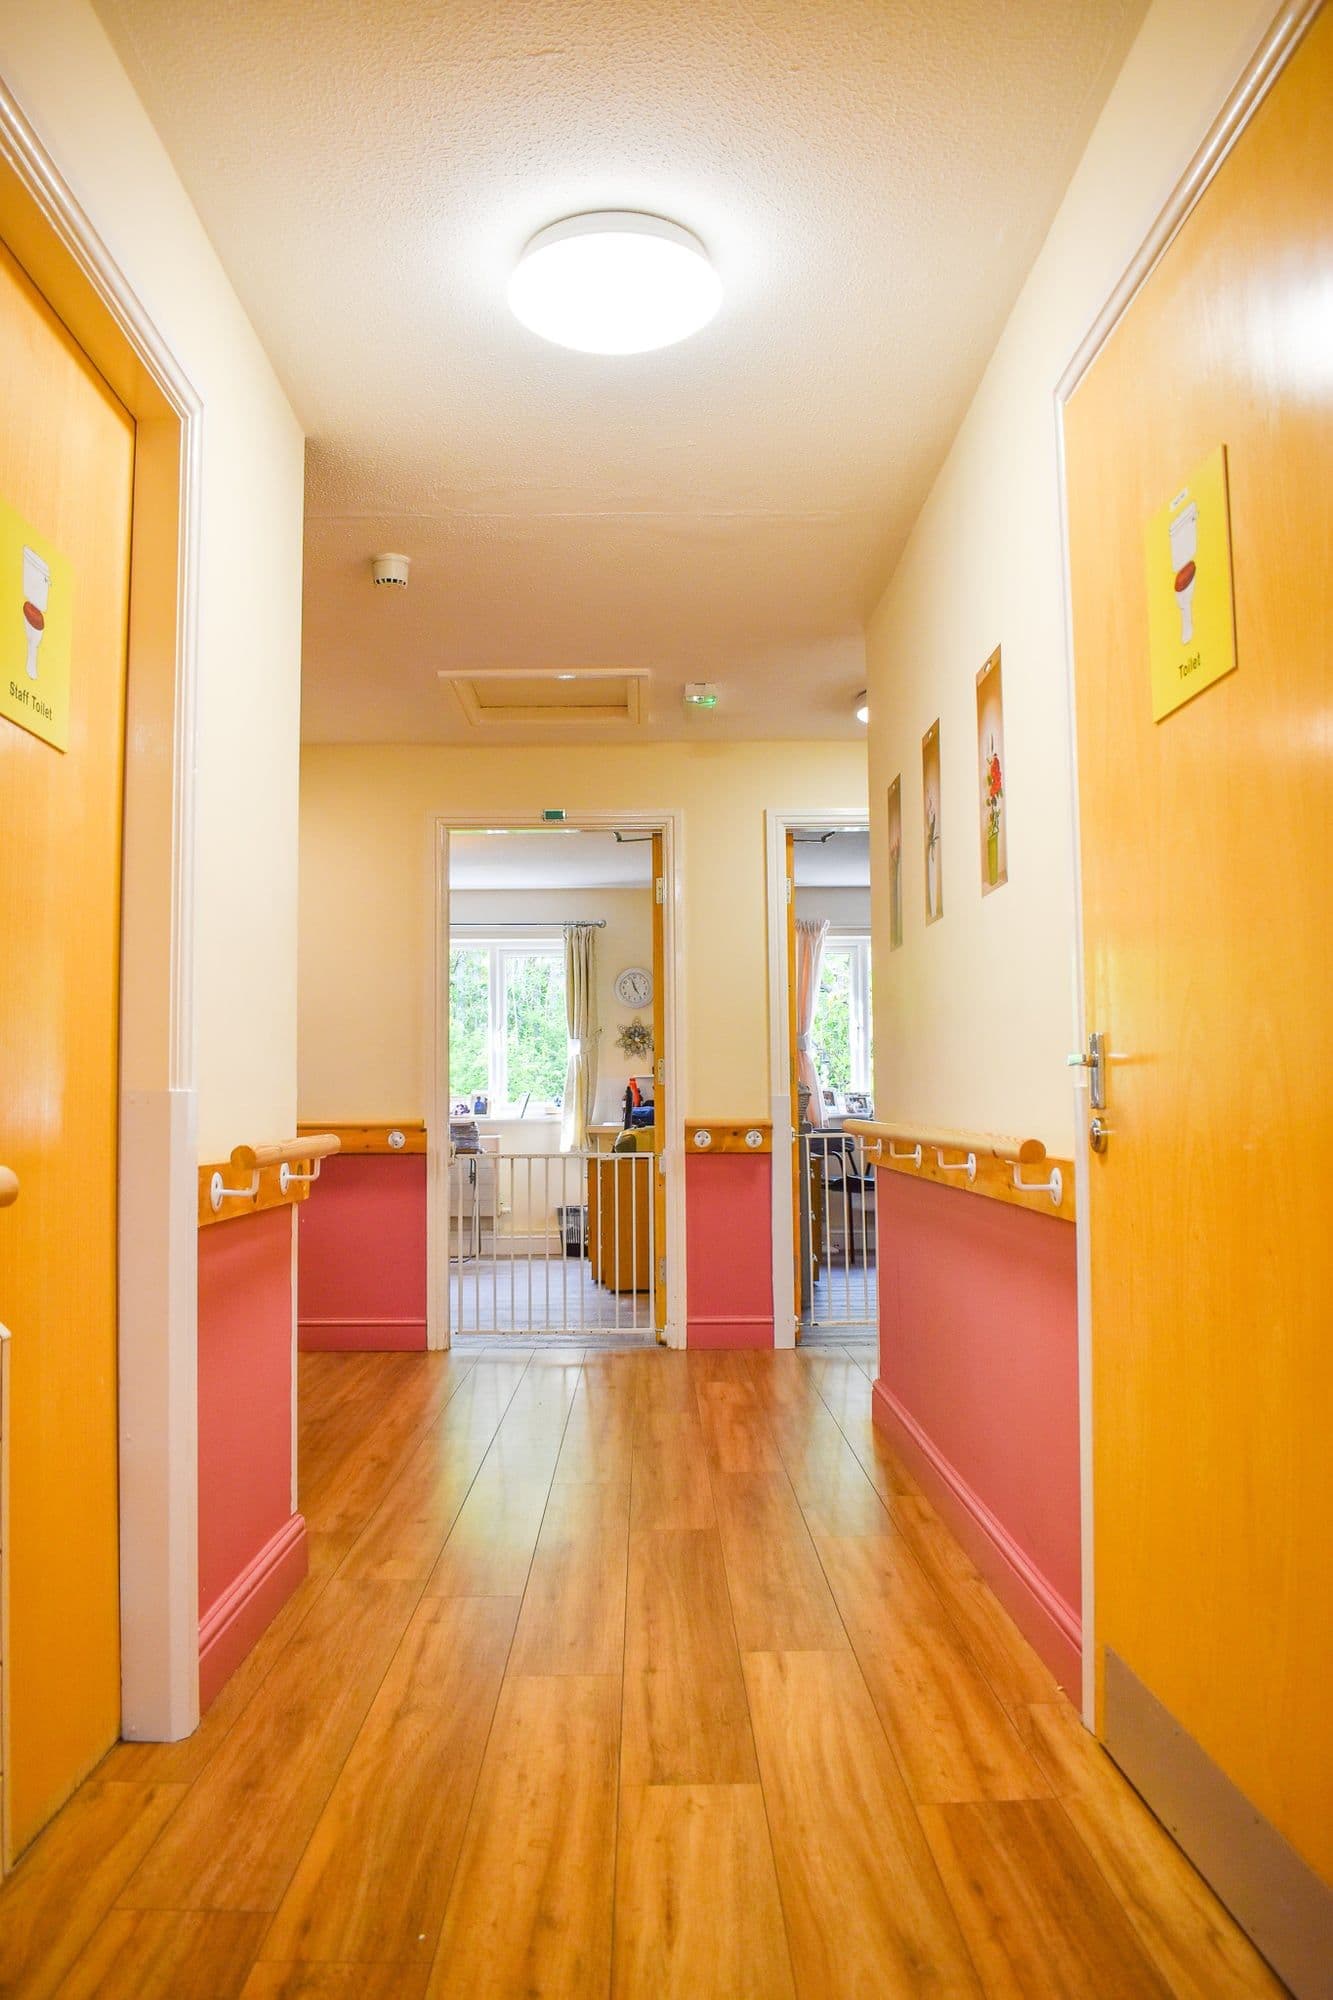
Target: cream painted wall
(365,874)
(627,940)
(974,1016)
(56,60)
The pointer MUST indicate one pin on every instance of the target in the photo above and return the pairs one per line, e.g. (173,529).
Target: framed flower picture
(895,832)
(992,776)
(931,824)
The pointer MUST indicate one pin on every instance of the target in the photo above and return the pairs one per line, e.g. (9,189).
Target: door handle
(1093,1060)
(9,1187)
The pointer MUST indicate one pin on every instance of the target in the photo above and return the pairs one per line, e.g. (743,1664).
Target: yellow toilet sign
(36,630)
(1191,613)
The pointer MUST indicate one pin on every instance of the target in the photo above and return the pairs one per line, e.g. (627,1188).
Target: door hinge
(790,886)
(661,1165)
(659,888)
(659,1069)
(661,1270)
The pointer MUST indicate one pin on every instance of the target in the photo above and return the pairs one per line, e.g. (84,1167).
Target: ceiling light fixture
(614,283)
(862,706)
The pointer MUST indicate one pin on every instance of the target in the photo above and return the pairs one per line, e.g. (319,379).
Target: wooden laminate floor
(617,1673)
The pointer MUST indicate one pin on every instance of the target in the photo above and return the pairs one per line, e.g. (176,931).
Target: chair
(846,1193)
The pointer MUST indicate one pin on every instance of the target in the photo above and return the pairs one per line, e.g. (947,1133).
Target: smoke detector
(390,570)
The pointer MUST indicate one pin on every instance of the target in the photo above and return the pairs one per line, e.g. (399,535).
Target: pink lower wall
(363,1254)
(252,1546)
(729,1249)
(978,1388)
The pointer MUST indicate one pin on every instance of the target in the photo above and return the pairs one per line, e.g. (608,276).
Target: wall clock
(634,988)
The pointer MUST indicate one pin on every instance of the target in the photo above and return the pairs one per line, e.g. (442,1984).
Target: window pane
(831,1033)
(867,1076)
(469,1021)
(536,1040)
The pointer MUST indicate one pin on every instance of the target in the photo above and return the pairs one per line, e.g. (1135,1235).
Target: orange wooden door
(66,466)
(793,1079)
(1207,852)
(661,1087)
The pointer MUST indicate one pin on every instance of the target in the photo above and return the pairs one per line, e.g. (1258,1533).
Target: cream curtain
(581,1021)
(810,935)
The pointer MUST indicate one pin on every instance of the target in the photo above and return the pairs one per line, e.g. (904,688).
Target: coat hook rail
(309,1150)
(937,1139)
(989,1163)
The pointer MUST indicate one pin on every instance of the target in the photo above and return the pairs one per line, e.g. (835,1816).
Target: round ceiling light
(862,706)
(614,283)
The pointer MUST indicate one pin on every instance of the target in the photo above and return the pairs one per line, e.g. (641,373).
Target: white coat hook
(1054,1187)
(967,1166)
(309,1147)
(217,1193)
(913,1153)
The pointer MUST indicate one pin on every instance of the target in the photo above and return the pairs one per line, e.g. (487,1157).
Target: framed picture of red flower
(993,776)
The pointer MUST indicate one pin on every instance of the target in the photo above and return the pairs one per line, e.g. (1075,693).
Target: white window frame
(860,1025)
(499,954)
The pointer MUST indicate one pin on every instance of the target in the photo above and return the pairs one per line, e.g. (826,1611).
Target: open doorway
(553,1210)
(825,1258)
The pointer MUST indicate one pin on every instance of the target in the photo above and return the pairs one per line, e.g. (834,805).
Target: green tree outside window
(536,1036)
(831,1031)
(469,1021)
(507,1031)
(840,1034)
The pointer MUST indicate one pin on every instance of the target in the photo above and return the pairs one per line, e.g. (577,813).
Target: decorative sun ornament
(636,1039)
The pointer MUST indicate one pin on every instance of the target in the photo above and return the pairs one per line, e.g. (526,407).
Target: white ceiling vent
(497,697)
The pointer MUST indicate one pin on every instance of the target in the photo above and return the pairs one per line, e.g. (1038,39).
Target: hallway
(639,1673)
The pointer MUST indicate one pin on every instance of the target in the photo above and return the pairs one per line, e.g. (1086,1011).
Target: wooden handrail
(390,1136)
(9,1187)
(995,1145)
(312,1146)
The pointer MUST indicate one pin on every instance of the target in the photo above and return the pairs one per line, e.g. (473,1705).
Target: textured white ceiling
(872,179)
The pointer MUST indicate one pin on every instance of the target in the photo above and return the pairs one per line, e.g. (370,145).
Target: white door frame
(436,1016)
(158,1154)
(778,823)
(1257,78)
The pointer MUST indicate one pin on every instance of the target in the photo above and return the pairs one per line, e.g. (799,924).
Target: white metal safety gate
(546,1243)
(837,1230)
